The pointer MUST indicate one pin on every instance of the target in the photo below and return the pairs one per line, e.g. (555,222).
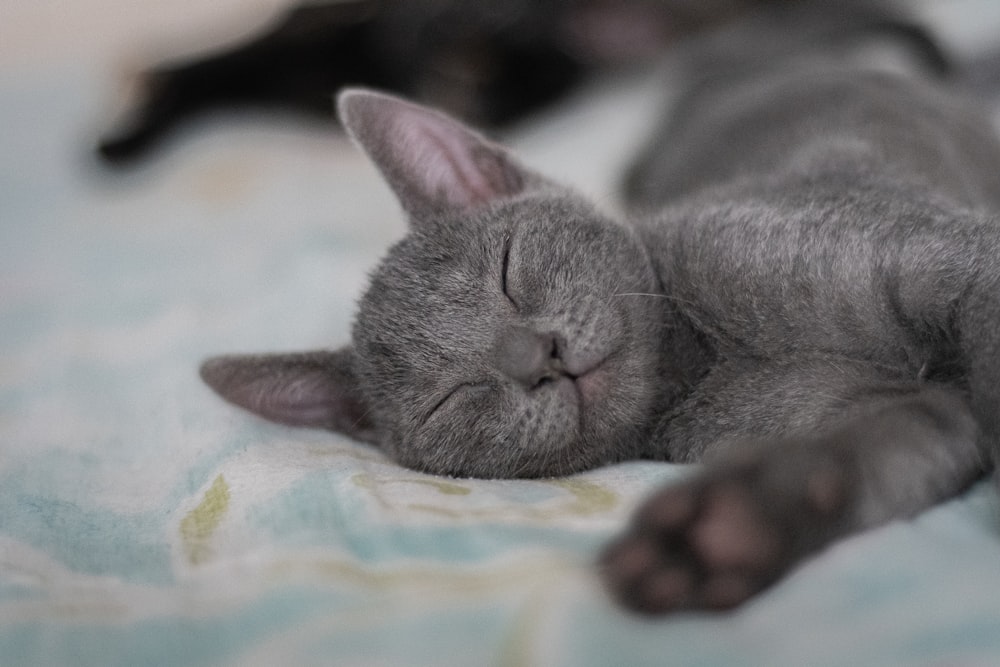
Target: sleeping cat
(806,297)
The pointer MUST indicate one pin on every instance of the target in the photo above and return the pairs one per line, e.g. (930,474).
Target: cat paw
(715,542)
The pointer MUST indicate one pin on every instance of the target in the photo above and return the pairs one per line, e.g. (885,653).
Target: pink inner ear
(306,400)
(451,165)
(312,389)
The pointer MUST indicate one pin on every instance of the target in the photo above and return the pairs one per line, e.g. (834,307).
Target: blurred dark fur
(490,62)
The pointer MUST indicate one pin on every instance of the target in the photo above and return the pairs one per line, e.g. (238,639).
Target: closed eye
(454,391)
(504,287)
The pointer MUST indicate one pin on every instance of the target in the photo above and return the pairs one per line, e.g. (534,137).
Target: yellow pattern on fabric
(199,524)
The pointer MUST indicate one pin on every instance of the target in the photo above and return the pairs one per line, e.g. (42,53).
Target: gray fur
(806,297)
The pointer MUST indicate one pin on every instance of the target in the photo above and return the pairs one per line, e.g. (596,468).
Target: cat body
(805,298)
(845,228)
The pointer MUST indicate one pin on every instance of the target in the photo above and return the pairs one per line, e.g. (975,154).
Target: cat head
(503,336)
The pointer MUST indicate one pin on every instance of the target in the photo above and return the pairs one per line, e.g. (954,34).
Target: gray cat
(808,299)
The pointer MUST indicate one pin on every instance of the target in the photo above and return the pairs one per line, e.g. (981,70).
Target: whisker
(668,297)
(662,296)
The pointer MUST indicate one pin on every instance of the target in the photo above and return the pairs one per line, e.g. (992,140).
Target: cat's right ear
(432,162)
(311,389)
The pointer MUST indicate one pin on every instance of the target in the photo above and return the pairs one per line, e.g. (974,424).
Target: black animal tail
(306,54)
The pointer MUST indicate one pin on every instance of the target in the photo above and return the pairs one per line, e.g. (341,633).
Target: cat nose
(528,357)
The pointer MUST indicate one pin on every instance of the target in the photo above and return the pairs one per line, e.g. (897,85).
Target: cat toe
(731,534)
(637,575)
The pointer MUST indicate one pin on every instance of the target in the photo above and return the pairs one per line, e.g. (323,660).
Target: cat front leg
(733,530)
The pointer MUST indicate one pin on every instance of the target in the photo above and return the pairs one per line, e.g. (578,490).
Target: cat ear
(432,162)
(314,389)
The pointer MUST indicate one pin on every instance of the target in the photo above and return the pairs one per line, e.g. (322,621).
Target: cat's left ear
(312,389)
(432,162)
